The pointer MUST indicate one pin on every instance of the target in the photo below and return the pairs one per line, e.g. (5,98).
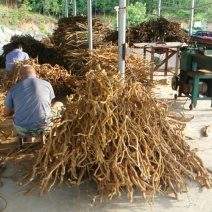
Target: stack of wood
(71,38)
(72,33)
(161,30)
(153,31)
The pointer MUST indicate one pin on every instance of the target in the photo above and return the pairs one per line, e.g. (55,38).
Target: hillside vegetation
(26,21)
(40,12)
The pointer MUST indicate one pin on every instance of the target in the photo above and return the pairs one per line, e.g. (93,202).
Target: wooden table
(168,48)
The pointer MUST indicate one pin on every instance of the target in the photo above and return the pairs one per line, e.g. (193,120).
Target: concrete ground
(65,199)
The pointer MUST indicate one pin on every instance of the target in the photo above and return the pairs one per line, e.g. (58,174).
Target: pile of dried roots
(106,57)
(153,31)
(65,83)
(72,32)
(60,79)
(116,134)
(161,30)
(71,38)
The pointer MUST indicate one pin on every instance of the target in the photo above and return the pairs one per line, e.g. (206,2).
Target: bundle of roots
(64,82)
(116,134)
(59,78)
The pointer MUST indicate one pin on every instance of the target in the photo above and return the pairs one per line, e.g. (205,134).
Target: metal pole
(117,16)
(159,7)
(89,14)
(192,17)
(74,8)
(66,8)
(121,37)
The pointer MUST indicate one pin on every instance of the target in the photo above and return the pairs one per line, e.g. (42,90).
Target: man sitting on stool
(30,102)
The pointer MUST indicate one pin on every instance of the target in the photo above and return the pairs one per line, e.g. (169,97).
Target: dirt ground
(76,199)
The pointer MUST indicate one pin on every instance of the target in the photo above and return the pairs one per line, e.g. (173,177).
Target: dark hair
(17,45)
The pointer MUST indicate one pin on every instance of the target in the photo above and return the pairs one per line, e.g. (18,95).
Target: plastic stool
(21,141)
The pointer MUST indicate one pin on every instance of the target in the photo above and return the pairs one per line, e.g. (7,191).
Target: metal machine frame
(196,67)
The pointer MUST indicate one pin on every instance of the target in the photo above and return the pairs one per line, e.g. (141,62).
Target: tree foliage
(172,8)
(136,13)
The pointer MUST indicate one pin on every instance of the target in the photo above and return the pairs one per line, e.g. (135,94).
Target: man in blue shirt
(17,54)
(30,102)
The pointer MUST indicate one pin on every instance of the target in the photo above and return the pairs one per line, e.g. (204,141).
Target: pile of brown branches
(68,40)
(161,30)
(71,38)
(64,83)
(61,81)
(153,31)
(72,32)
(119,136)
(106,57)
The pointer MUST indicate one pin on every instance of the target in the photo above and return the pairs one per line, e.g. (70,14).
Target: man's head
(17,45)
(27,71)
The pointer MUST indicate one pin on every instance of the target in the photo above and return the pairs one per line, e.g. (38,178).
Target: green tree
(81,7)
(55,8)
(179,9)
(46,6)
(136,13)
(26,5)
(151,5)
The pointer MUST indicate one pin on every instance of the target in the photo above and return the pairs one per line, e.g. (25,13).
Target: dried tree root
(121,138)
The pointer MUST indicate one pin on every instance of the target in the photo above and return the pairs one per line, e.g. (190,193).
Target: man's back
(16,54)
(31,99)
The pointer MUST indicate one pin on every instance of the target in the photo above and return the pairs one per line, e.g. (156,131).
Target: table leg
(166,63)
(144,53)
(195,90)
(152,64)
(210,90)
(177,61)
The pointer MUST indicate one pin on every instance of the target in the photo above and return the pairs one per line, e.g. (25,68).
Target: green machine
(195,78)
